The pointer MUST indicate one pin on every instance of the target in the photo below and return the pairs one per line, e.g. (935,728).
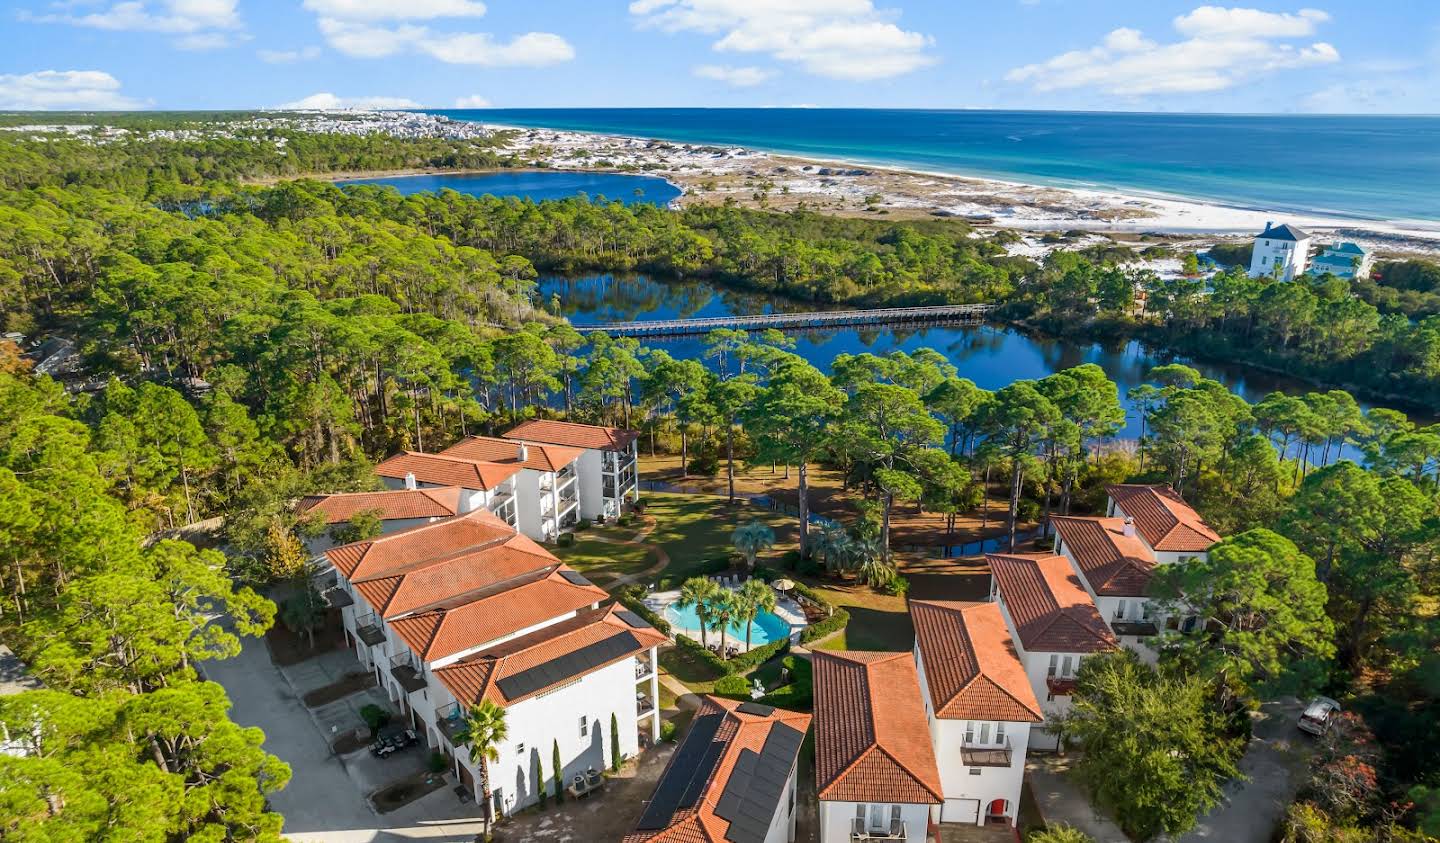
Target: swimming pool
(766,627)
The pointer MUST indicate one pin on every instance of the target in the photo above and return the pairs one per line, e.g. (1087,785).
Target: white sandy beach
(751,177)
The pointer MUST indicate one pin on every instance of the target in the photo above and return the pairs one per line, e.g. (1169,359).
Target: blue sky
(1336,56)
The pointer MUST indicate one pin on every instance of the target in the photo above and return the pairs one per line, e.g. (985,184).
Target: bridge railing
(819,318)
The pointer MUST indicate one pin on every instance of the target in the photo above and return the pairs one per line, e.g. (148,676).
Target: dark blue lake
(990,355)
(537,185)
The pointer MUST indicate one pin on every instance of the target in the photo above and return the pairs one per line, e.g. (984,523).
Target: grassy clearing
(694,529)
(596,558)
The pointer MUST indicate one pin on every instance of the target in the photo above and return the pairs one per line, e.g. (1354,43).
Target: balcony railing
(1138,628)
(642,669)
(895,830)
(407,672)
(370,629)
(337,597)
(617,462)
(1060,686)
(986,755)
(450,720)
(643,705)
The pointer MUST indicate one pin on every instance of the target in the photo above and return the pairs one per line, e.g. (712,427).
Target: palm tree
(722,611)
(870,562)
(835,546)
(485,730)
(696,593)
(754,597)
(752,538)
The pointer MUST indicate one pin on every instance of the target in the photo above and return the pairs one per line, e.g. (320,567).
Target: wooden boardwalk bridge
(793,321)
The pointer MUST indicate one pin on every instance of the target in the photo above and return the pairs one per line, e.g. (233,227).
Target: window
(969,731)
(974,771)
(1067,667)
(860,810)
(1000,732)
(584,726)
(1054,660)
(520,749)
(984,733)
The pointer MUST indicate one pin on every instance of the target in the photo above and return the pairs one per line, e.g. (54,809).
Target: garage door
(960,811)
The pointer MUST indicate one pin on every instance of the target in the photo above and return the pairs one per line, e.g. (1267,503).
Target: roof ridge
(1002,689)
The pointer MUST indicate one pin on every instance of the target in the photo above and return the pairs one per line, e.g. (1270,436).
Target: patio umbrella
(782,584)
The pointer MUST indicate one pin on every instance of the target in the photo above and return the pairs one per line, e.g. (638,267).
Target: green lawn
(877,621)
(695,529)
(697,675)
(599,559)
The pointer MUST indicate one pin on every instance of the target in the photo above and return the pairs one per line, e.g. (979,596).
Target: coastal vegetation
(241,346)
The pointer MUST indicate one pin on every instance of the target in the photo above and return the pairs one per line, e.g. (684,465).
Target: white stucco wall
(837,818)
(588,468)
(782,825)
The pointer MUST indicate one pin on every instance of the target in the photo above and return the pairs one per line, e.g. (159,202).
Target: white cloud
(395,9)
(197,24)
(533,49)
(63,90)
(359,28)
(288,56)
(740,77)
(472,101)
(326,101)
(1221,48)
(841,39)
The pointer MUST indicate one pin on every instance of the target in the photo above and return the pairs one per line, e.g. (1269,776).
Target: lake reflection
(990,355)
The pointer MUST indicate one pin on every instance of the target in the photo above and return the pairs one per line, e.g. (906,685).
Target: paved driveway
(1274,763)
(324,801)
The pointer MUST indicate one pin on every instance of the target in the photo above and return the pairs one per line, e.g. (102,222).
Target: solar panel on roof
(567,666)
(574,578)
(632,619)
(757,785)
(756,709)
(684,767)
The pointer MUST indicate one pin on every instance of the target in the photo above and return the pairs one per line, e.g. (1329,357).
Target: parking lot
(325,801)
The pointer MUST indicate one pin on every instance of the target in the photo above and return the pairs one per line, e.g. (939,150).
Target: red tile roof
(446,470)
(400,503)
(409,548)
(505,452)
(1164,518)
(477,676)
(397,591)
(1115,565)
(738,732)
(971,666)
(872,740)
(1051,610)
(589,436)
(476,619)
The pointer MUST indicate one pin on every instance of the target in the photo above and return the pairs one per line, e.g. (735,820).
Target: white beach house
(1281,252)
(1342,260)
(607,467)
(875,771)
(450,613)
(979,705)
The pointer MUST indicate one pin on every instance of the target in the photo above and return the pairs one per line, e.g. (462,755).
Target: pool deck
(786,610)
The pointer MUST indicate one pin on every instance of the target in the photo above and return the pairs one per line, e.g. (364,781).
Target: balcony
(1139,628)
(1060,686)
(406,672)
(614,462)
(862,831)
(337,597)
(643,705)
(370,629)
(450,720)
(643,669)
(985,755)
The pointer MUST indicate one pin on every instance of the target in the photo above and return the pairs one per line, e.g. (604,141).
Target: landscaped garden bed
(401,793)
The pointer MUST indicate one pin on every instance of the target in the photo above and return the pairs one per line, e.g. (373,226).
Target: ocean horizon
(1360,167)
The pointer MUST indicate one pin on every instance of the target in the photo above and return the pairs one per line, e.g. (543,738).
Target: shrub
(800,692)
(614,744)
(717,664)
(826,627)
(790,560)
(565,539)
(895,584)
(375,717)
(759,655)
(582,524)
(733,685)
(1059,833)
(667,731)
(436,763)
(632,597)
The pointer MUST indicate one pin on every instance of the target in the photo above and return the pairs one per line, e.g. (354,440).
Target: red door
(997,809)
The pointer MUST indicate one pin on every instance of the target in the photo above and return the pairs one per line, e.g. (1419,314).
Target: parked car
(1318,716)
(392,741)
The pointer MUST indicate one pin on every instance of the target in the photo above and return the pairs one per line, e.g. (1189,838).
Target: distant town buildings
(1281,252)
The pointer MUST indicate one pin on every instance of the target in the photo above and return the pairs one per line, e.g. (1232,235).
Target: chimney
(410,480)
(524,455)
(1129,528)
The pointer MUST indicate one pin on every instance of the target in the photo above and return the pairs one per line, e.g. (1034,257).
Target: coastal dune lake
(990,355)
(538,185)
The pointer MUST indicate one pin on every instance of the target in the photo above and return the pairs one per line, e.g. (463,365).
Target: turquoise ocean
(1379,168)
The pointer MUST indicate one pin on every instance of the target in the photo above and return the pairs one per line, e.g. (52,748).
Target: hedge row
(798,694)
(633,598)
(739,664)
(815,631)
